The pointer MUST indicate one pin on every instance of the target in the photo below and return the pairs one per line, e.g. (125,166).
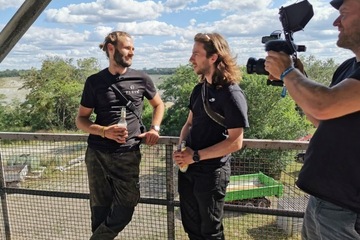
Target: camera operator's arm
(313,120)
(317,100)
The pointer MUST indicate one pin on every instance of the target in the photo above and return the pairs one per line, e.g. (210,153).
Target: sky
(163,31)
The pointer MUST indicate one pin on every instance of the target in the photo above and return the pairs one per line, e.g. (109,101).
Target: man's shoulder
(231,88)
(131,72)
(347,63)
(99,74)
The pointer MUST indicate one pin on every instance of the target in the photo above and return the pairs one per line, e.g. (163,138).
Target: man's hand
(116,133)
(151,137)
(183,158)
(276,63)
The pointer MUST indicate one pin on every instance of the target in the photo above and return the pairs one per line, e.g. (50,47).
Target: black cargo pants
(202,192)
(114,190)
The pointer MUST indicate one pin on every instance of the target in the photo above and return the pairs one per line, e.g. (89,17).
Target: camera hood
(295,17)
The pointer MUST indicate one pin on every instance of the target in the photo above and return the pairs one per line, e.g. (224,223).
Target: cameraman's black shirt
(332,160)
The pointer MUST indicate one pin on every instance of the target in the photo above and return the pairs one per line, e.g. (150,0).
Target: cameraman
(331,171)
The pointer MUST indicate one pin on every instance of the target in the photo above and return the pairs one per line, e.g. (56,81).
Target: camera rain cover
(295,17)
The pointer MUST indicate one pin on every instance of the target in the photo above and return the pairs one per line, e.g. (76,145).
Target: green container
(249,186)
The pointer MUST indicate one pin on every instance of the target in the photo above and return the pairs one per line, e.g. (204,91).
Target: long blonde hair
(227,71)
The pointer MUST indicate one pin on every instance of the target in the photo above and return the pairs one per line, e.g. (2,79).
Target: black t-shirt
(229,101)
(99,95)
(332,160)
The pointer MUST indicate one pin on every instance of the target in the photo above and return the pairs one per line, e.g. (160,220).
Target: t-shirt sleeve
(195,92)
(150,89)
(88,97)
(348,69)
(236,111)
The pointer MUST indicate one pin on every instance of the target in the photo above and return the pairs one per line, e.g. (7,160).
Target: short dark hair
(113,39)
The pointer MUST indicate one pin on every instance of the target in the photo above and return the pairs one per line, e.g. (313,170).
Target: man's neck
(208,77)
(357,54)
(210,74)
(117,69)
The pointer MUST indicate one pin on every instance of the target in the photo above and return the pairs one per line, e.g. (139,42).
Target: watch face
(156,128)
(196,157)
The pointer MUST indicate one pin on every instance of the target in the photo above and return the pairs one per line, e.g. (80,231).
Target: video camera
(293,18)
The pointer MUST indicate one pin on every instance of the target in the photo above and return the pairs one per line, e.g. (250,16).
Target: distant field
(9,87)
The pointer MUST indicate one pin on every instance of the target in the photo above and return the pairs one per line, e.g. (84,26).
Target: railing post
(4,202)
(170,192)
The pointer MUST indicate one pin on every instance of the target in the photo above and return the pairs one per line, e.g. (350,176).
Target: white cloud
(4,4)
(103,11)
(236,5)
(153,28)
(55,38)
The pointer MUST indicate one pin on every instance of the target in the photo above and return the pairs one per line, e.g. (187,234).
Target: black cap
(336,3)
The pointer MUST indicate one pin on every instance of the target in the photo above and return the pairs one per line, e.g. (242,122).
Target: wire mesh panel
(43,217)
(45,191)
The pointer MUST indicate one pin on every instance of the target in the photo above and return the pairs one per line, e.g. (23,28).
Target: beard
(350,41)
(202,69)
(120,59)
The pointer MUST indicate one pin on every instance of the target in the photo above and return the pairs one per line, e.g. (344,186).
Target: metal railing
(44,191)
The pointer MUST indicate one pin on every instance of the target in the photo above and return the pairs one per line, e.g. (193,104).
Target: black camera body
(293,18)
(254,65)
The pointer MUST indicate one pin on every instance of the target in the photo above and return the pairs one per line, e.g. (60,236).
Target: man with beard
(209,142)
(330,173)
(113,155)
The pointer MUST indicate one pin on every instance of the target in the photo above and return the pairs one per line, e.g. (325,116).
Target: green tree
(320,71)
(176,90)
(270,115)
(12,117)
(55,92)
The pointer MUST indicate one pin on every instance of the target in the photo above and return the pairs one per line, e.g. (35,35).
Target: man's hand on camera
(276,63)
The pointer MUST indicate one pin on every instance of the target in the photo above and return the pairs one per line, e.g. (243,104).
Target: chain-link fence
(44,190)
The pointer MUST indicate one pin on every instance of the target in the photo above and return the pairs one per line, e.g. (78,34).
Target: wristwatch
(155,127)
(196,156)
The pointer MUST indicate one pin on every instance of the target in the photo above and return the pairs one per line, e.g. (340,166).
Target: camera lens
(256,66)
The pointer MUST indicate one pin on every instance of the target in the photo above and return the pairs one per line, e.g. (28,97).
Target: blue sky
(163,30)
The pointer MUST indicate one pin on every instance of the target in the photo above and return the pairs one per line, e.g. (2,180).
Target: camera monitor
(295,17)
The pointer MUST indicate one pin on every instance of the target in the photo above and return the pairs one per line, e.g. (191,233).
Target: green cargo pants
(114,190)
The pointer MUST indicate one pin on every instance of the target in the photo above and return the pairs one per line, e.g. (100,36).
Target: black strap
(129,105)
(216,117)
